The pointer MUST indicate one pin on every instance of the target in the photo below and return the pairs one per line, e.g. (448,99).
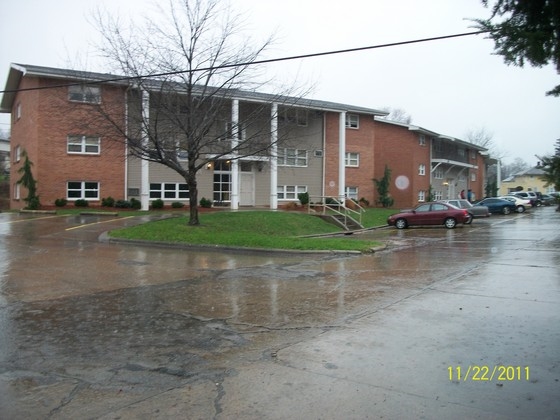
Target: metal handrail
(335,208)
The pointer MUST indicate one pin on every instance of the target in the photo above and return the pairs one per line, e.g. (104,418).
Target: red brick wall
(47,119)
(357,141)
(398,148)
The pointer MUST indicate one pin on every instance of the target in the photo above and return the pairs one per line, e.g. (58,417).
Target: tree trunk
(193,198)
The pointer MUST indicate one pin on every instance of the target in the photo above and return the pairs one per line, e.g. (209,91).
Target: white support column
(234,161)
(274,157)
(341,155)
(145,165)
(499,176)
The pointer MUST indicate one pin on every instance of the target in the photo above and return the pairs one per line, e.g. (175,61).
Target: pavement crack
(68,399)
(221,392)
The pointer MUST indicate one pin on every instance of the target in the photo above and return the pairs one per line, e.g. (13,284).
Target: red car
(430,214)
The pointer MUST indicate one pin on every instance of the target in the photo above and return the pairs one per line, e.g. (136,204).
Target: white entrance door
(246,189)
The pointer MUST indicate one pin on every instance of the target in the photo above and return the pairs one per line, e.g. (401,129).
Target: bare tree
(197,59)
(397,115)
(517,166)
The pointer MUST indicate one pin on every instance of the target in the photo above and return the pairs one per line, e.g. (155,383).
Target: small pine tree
(383,185)
(29,183)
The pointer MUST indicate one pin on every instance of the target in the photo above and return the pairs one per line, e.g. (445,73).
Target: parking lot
(445,323)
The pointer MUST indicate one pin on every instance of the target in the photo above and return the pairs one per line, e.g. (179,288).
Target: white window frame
(422,169)
(17,154)
(83,145)
(422,140)
(473,176)
(352,159)
(290,192)
(88,190)
(228,132)
(17,191)
(351,193)
(169,191)
(86,94)
(438,195)
(293,157)
(438,173)
(421,196)
(352,121)
(18,111)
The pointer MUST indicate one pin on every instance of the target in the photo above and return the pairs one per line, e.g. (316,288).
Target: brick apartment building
(323,148)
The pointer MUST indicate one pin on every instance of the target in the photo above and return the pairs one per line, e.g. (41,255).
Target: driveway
(458,323)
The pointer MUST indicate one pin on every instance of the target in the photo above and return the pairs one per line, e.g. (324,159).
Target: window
(438,173)
(351,193)
(422,140)
(290,192)
(422,169)
(352,121)
(222,181)
(438,195)
(227,135)
(17,154)
(17,191)
(423,208)
(473,177)
(18,111)
(84,93)
(352,159)
(83,144)
(292,157)
(439,207)
(82,190)
(169,191)
(421,196)
(294,115)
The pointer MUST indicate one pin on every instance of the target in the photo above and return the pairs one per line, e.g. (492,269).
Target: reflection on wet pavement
(86,325)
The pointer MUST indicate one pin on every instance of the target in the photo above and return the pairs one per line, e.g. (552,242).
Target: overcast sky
(447,86)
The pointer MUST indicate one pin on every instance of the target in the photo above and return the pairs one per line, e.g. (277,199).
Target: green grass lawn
(255,229)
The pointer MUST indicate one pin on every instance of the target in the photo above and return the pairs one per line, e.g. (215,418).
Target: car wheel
(450,223)
(506,210)
(401,224)
(468,222)
(520,209)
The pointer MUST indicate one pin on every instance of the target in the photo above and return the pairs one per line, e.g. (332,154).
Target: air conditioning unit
(318,153)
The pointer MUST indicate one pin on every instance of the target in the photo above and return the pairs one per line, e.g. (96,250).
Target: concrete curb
(104,237)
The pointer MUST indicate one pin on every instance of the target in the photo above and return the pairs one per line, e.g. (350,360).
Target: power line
(251,63)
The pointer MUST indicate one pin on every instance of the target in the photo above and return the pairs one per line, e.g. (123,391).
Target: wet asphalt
(460,323)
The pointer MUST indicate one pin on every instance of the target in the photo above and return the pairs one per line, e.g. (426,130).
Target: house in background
(527,180)
(323,148)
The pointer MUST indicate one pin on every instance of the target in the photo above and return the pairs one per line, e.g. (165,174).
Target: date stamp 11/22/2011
(484,373)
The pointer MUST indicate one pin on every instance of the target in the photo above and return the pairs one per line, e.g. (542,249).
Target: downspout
(235,161)
(324,176)
(126,143)
(341,156)
(145,164)
(274,157)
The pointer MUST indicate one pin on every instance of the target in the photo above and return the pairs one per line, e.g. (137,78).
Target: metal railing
(327,205)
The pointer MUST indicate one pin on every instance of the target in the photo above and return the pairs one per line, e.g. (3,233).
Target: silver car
(475,211)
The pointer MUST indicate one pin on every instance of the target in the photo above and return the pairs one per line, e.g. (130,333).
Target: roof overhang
(18,71)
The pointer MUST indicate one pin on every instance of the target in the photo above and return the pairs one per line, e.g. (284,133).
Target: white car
(520,203)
